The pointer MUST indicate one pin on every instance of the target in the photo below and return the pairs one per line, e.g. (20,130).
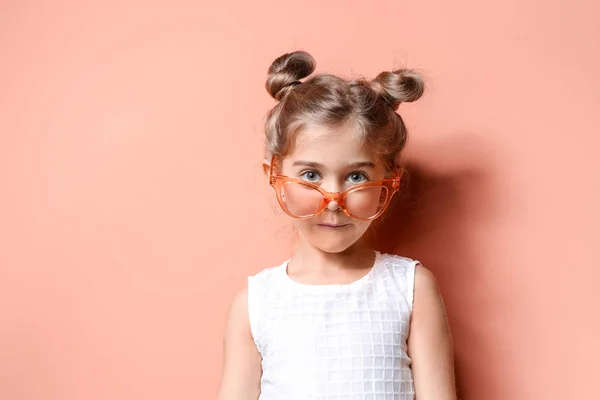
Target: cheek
(366,202)
(303,225)
(361,227)
(301,200)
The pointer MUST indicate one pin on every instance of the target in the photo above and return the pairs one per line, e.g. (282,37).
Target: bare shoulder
(425,281)
(237,316)
(240,298)
(428,297)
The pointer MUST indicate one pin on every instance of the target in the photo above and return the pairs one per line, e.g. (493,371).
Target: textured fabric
(339,342)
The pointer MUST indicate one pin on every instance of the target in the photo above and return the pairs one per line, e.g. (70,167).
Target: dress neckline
(330,287)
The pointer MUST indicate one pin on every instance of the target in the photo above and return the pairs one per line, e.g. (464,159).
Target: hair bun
(399,86)
(287,70)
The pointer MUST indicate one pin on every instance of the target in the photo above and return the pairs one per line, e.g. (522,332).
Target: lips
(333,226)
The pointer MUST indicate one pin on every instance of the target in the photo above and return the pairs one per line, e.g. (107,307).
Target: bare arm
(240,379)
(430,342)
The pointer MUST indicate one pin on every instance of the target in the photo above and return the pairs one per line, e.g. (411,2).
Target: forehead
(330,145)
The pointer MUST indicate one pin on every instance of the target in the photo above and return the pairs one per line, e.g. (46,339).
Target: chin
(334,247)
(331,240)
(334,242)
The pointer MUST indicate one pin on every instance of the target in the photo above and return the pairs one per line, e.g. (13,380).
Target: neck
(309,258)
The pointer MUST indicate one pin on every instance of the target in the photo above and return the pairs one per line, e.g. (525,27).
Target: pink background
(133,205)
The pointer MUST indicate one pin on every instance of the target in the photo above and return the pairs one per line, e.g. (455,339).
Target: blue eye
(357,177)
(310,176)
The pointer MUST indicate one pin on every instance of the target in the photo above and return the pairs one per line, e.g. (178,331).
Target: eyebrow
(311,164)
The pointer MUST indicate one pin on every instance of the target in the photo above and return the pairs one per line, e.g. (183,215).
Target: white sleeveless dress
(343,342)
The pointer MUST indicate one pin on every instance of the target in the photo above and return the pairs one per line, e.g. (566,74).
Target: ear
(266,166)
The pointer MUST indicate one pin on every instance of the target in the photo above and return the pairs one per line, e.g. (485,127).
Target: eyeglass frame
(276,181)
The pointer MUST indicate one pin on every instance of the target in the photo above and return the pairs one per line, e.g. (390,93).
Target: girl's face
(334,159)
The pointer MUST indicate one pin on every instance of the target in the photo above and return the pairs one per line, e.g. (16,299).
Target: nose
(331,188)
(333,205)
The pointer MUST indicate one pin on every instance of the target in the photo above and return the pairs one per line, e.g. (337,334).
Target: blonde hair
(326,100)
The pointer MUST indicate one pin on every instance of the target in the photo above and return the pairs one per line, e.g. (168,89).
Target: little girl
(338,320)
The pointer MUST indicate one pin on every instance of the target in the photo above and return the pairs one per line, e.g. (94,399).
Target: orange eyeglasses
(364,202)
